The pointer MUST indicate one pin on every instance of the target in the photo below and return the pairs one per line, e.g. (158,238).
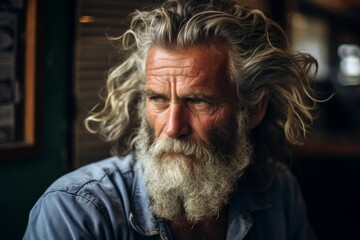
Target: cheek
(221,118)
(154,120)
(216,122)
(149,130)
(149,115)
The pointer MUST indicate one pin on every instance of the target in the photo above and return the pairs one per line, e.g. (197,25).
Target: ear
(258,114)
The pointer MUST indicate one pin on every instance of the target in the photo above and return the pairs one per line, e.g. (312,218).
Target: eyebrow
(150,93)
(213,99)
(207,98)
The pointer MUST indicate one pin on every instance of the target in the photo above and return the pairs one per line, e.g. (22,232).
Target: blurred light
(349,64)
(87,19)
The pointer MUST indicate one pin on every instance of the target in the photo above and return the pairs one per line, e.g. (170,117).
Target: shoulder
(262,178)
(282,185)
(91,200)
(114,170)
(285,182)
(291,203)
(284,176)
(276,185)
(286,198)
(285,216)
(102,184)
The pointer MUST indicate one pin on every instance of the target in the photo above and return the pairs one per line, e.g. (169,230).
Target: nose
(177,125)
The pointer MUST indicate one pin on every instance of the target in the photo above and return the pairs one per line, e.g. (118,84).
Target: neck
(207,229)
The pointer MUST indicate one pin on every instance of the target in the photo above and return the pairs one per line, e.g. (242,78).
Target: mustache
(174,147)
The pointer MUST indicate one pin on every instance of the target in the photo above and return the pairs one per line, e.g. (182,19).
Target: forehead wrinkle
(169,70)
(168,63)
(177,81)
(173,72)
(179,76)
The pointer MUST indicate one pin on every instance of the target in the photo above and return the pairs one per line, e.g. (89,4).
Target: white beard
(190,179)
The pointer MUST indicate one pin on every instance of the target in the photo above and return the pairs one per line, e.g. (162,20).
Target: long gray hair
(259,56)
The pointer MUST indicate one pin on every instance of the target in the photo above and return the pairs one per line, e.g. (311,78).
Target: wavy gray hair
(259,56)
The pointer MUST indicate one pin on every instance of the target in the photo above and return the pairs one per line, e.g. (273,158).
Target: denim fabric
(107,200)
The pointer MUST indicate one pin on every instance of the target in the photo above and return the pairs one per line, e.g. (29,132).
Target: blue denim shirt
(107,200)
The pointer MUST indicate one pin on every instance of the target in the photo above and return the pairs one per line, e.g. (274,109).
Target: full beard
(192,179)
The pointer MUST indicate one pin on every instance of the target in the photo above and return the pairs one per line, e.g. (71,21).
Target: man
(200,112)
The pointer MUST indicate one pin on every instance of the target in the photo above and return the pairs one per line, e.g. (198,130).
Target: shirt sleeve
(298,224)
(66,215)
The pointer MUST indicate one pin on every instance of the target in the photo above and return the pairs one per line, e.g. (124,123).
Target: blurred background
(53,61)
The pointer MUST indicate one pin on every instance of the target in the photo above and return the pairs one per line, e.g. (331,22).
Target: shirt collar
(141,218)
(245,201)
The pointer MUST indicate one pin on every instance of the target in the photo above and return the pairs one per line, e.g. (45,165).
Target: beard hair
(192,179)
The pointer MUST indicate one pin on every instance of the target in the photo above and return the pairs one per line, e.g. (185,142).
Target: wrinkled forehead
(202,59)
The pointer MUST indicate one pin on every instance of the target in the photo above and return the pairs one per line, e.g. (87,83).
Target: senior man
(201,113)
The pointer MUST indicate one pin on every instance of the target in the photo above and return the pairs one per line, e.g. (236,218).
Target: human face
(188,91)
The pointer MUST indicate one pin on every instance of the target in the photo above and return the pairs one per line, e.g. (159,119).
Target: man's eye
(196,101)
(199,104)
(157,99)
